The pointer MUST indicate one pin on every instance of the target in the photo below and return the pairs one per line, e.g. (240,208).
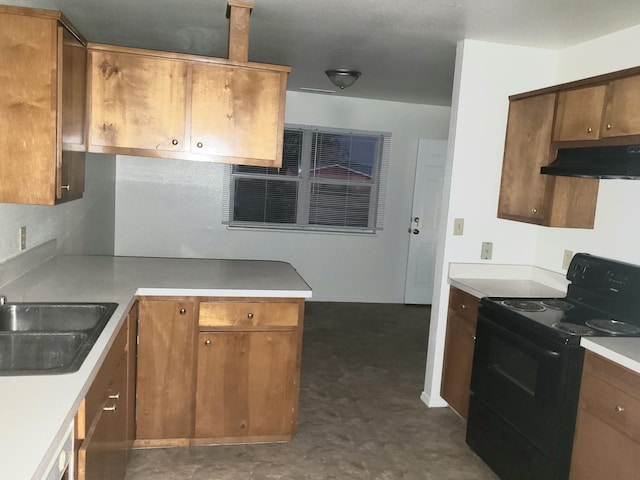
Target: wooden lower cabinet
(217,370)
(607,435)
(103,436)
(246,384)
(458,350)
(166,369)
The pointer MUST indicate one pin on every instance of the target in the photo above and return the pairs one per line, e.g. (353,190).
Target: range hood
(619,161)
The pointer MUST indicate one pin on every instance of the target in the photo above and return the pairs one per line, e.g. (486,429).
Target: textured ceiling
(404,48)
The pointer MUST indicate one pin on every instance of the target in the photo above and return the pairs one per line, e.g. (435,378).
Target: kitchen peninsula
(36,411)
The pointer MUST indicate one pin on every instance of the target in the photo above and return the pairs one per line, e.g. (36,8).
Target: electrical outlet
(487,250)
(23,238)
(458,226)
(566,259)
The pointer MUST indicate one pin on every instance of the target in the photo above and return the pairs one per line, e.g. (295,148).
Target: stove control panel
(604,276)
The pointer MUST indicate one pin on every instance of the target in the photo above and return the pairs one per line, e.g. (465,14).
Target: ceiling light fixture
(342,78)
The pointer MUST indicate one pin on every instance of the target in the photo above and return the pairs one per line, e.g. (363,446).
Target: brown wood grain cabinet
(622,108)
(607,435)
(159,104)
(525,194)
(458,350)
(101,424)
(165,383)
(226,370)
(43,73)
(579,114)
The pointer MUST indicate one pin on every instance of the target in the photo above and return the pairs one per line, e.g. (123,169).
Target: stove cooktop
(559,318)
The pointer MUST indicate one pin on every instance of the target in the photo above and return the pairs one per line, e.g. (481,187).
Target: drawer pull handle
(250,316)
(207,343)
(619,409)
(182,311)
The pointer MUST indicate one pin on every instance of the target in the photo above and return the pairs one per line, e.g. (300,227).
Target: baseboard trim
(435,402)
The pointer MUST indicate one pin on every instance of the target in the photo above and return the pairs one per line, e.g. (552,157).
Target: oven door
(518,399)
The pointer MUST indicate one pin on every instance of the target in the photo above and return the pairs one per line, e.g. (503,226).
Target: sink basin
(49,338)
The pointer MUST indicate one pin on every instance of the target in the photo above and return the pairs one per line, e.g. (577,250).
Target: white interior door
(423,223)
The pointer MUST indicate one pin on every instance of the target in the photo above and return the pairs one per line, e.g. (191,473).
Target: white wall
(174,208)
(486,74)
(80,226)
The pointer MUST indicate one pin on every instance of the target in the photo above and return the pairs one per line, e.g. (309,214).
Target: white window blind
(330,180)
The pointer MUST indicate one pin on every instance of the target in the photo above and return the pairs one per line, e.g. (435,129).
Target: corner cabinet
(42,143)
(159,104)
(525,194)
(218,370)
(607,435)
(458,350)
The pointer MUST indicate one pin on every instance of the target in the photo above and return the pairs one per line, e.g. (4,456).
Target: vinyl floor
(360,413)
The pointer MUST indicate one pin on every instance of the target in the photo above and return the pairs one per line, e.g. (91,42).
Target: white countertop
(495,280)
(36,410)
(491,280)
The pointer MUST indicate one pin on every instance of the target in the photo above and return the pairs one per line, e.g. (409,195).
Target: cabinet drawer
(608,394)
(248,314)
(464,304)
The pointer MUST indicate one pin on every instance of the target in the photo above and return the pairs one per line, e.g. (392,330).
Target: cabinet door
(579,113)
(523,190)
(622,110)
(607,435)
(137,102)
(28,66)
(166,369)
(238,113)
(247,384)
(458,350)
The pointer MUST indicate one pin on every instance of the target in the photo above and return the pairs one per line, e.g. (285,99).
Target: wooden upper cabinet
(238,113)
(523,191)
(159,104)
(579,114)
(43,78)
(138,103)
(622,108)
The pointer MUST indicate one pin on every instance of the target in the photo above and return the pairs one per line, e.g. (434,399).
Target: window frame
(305,183)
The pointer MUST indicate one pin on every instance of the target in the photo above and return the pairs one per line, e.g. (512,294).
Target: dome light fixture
(342,77)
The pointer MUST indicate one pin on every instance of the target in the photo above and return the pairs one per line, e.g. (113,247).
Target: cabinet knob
(182,311)
(250,316)
(534,210)
(463,306)
(608,126)
(589,129)
(174,141)
(199,144)
(619,409)
(65,187)
(207,342)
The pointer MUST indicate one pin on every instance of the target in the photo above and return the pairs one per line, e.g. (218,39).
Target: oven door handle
(528,344)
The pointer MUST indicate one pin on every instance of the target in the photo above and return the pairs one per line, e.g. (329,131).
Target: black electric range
(527,366)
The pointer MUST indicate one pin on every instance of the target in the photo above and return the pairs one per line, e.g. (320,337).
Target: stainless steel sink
(49,338)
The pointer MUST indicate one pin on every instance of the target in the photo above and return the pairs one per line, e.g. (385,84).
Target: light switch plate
(458,226)
(487,250)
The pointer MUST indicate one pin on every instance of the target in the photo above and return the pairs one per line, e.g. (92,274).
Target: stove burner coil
(613,327)
(556,304)
(573,328)
(523,305)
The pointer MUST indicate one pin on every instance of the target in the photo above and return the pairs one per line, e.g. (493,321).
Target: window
(330,180)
